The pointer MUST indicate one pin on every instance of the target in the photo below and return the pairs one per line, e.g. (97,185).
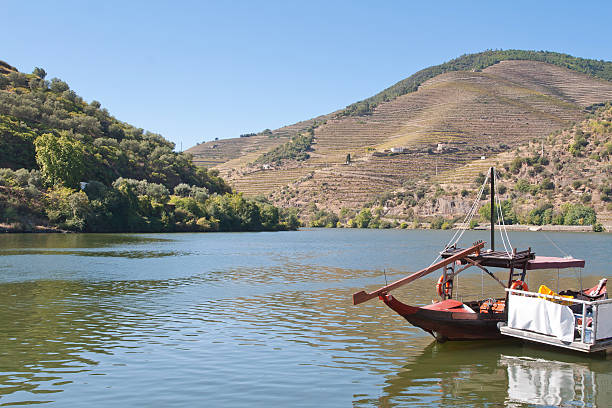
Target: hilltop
(68,164)
(436,122)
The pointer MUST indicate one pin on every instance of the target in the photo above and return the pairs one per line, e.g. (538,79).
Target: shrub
(516,164)
(182,190)
(522,186)
(547,184)
(436,223)
(586,198)
(363,219)
(479,179)
(578,214)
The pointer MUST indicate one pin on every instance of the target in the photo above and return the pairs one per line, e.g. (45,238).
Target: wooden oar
(363,296)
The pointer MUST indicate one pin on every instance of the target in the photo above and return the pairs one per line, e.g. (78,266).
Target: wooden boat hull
(446,325)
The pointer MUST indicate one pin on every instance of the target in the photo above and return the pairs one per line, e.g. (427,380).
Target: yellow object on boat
(544,290)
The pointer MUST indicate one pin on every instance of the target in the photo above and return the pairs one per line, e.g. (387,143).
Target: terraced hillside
(538,178)
(449,121)
(236,152)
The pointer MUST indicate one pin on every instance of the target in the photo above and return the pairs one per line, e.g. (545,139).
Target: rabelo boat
(451,319)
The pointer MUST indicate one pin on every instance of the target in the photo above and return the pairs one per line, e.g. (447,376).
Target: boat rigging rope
(555,245)
(500,216)
(469,216)
(466,221)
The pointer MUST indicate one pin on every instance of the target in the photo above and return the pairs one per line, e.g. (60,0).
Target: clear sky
(196,70)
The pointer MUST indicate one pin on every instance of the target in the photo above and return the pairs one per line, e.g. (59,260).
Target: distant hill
(432,123)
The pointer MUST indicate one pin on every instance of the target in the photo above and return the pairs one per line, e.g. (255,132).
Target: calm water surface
(265,319)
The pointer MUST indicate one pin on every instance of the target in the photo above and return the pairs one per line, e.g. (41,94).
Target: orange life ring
(447,287)
(519,285)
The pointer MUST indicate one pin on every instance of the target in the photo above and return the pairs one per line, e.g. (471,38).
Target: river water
(265,319)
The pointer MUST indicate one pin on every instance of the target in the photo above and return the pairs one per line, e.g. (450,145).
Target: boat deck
(559,321)
(499,259)
(599,346)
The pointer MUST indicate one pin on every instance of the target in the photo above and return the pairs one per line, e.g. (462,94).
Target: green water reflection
(254,320)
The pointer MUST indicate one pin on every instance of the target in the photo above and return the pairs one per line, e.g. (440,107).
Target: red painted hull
(447,325)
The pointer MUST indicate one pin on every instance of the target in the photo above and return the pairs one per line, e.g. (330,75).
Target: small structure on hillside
(398,149)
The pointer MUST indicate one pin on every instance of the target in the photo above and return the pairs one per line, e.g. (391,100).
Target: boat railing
(592,320)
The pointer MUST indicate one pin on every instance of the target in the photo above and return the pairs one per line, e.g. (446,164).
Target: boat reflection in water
(473,374)
(544,382)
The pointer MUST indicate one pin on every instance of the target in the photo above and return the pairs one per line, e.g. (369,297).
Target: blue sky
(196,70)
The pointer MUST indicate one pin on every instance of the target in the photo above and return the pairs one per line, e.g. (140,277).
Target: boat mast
(492,209)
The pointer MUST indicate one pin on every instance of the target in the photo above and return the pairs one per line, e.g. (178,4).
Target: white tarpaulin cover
(541,316)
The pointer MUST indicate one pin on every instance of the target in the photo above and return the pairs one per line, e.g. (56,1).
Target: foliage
(50,140)
(578,144)
(437,223)
(479,179)
(578,214)
(16,143)
(477,62)
(130,205)
(522,186)
(322,218)
(569,214)
(112,148)
(363,219)
(297,149)
(61,159)
(507,212)
(541,215)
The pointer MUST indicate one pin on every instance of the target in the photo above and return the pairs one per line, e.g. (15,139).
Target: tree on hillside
(61,159)
(39,72)
(57,85)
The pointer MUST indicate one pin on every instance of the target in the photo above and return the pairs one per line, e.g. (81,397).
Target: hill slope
(70,164)
(540,181)
(452,119)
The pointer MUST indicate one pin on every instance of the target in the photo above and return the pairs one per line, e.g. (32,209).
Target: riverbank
(20,228)
(535,228)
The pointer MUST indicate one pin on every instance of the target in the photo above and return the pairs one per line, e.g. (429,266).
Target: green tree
(362,220)
(61,159)
(57,85)
(39,72)
(182,190)
(507,212)
(578,214)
